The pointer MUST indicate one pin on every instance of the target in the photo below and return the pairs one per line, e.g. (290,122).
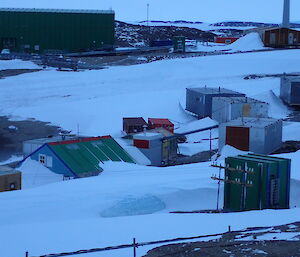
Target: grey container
(257,135)
(290,90)
(154,150)
(199,100)
(225,109)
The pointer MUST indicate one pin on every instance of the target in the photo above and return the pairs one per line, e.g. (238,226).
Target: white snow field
(128,201)
(17,64)
(209,11)
(97,100)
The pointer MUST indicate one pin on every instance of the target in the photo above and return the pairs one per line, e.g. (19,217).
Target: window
(42,159)
(228,41)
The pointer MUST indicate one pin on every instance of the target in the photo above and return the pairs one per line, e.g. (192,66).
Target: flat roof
(160,121)
(292,78)
(239,99)
(56,10)
(50,139)
(251,122)
(213,90)
(6,170)
(139,121)
(148,135)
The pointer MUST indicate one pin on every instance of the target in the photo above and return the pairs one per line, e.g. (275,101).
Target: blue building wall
(57,165)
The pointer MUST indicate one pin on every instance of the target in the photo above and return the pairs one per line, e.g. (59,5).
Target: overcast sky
(194,10)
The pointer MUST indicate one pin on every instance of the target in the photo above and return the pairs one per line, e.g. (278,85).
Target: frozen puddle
(131,206)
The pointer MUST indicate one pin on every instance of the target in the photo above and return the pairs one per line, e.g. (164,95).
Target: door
(238,137)
(246,110)
(166,151)
(291,39)
(295,93)
(272,39)
(274,192)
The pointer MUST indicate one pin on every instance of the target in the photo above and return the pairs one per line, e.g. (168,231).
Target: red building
(134,125)
(160,123)
(225,40)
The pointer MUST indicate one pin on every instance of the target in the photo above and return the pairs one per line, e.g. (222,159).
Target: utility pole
(148,15)
(210,145)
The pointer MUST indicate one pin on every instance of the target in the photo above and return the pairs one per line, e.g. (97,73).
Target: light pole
(148,15)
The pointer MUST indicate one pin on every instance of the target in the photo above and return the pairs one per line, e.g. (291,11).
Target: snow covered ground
(128,201)
(97,100)
(132,201)
(195,10)
(17,64)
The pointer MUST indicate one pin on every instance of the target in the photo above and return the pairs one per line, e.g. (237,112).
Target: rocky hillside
(141,35)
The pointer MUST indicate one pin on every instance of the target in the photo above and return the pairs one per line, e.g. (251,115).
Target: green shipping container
(284,178)
(179,44)
(47,30)
(266,186)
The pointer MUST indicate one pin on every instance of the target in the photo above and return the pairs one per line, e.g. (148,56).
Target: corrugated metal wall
(70,32)
(224,111)
(269,182)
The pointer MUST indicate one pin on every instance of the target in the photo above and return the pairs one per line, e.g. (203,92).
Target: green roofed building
(255,182)
(55,30)
(80,158)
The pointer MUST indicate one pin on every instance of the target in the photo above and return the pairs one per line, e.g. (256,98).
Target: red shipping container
(225,40)
(161,123)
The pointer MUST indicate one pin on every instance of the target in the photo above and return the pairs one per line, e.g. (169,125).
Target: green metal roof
(84,156)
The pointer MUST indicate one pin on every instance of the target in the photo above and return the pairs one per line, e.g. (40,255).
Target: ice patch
(131,206)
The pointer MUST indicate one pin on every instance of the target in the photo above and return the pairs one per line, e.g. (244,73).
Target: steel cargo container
(290,90)
(257,135)
(10,179)
(179,44)
(150,144)
(283,175)
(54,30)
(225,109)
(154,123)
(134,125)
(199,100)
(156,147)
(265,184)
(280,37)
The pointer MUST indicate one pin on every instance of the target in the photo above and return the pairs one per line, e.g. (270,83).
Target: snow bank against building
(250,42)
(197,142)
(17,64)
(35,174)
(228,151)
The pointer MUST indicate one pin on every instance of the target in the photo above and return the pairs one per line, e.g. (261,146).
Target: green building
(80,157)
(179,44)
(256,182)
(56,31)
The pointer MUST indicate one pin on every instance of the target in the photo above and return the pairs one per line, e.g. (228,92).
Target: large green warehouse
(51,30)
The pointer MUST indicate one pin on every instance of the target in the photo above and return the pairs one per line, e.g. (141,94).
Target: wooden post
(210,145)
(218,197)
(134,247)
(26,254)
